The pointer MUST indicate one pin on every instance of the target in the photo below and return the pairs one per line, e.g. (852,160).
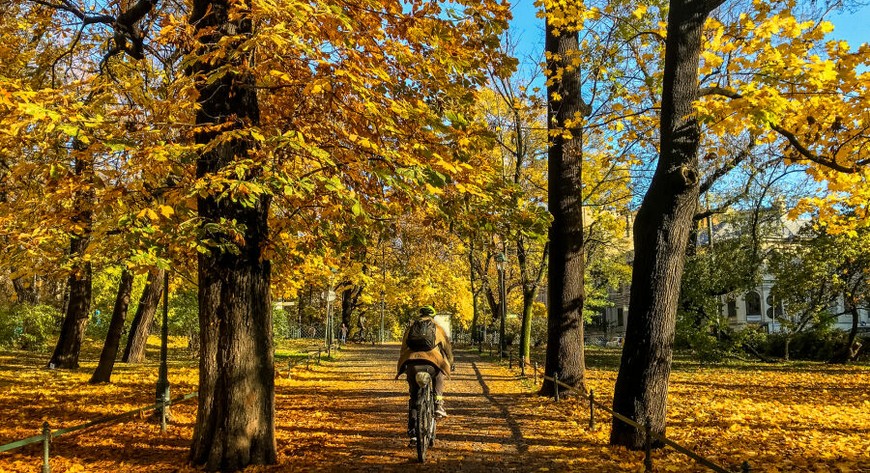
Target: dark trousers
(438,384)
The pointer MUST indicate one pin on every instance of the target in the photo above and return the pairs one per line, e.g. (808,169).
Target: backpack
(421,335)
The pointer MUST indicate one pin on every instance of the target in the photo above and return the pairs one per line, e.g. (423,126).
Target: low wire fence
(48,434)
(648,434)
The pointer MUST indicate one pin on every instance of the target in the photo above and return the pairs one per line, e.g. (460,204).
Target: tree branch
(792,139)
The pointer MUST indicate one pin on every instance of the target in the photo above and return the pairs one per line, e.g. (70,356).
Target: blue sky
(529,30)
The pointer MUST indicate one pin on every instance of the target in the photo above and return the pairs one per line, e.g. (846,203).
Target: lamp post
(383,306)
(162,394)
(500,265)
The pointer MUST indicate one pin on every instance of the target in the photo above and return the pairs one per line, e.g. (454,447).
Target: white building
(755,307)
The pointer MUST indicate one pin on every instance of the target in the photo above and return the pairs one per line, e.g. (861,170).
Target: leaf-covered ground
(349,415)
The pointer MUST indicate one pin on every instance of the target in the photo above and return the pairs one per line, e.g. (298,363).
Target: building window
(620,317)
(732,308)
(770,307)
(753,304)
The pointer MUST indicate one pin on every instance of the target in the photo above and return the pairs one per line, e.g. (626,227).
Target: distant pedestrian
(342,334)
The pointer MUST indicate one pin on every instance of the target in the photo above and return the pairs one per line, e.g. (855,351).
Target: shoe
(439,410)
(412,442)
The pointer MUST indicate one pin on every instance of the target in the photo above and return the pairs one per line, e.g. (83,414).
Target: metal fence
(48,434)
(646,428)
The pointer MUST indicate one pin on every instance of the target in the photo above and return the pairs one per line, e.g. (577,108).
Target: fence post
(744,468)
(556,386)
(308,362)
(46,440)
(591,409)
(536,373)
(647,447)
(163,400)
(318,355)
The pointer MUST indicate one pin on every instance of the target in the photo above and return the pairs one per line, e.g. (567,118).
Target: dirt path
(352,416)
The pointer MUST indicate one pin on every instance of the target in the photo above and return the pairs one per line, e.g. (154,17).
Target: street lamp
(500,265)
(383,304)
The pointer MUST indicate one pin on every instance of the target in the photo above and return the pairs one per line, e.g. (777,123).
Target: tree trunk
(25,291)
(78,309)
(565,271)
(140,328)
(350,301)
(103,373)
(475,315)
(661,233)
(530,290)
(235,422)
(846,353)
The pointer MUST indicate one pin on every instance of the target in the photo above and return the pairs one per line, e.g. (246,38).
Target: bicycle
(425,415)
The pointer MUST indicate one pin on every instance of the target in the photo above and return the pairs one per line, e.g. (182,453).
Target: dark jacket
(441,356)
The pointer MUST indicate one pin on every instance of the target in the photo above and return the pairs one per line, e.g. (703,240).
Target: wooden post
(535,366)
(647,447)
(556,387)
(46,441)
(744,468)
(591,409)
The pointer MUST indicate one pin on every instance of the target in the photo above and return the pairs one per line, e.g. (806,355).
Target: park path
(350,415)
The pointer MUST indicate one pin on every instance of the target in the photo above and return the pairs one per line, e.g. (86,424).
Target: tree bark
(847,353)
(565,271)
(530,283)
(77,309)
(661,233)
(103,373)
(235,423)
(25,291)
(140,328)
(474,311)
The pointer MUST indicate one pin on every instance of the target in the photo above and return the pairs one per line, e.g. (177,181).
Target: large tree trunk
(661,233)
(103,373)
(78,309)
(78,306)
(235,422)
(140,328)
(565,271)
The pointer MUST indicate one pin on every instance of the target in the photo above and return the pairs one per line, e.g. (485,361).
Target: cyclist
(425,347)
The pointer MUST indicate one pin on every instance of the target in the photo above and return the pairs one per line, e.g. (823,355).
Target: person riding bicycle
(425,347)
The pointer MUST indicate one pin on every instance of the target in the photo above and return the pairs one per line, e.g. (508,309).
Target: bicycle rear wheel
(425,416)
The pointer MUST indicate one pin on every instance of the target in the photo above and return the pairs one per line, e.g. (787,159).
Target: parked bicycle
(425,415)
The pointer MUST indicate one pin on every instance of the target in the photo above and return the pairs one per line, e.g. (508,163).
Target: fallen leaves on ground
(348,414)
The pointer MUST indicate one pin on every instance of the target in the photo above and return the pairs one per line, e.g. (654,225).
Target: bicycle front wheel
(425,421)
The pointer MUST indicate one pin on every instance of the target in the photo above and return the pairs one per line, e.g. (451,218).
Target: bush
(814,345)
(28,327)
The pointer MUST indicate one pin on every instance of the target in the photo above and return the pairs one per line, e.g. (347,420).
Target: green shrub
(814,345)
(28,327)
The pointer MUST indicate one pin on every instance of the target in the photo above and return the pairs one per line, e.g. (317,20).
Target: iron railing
(48,434)
(646,428)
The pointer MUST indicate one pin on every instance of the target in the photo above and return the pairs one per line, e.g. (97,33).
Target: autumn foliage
(349,413)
